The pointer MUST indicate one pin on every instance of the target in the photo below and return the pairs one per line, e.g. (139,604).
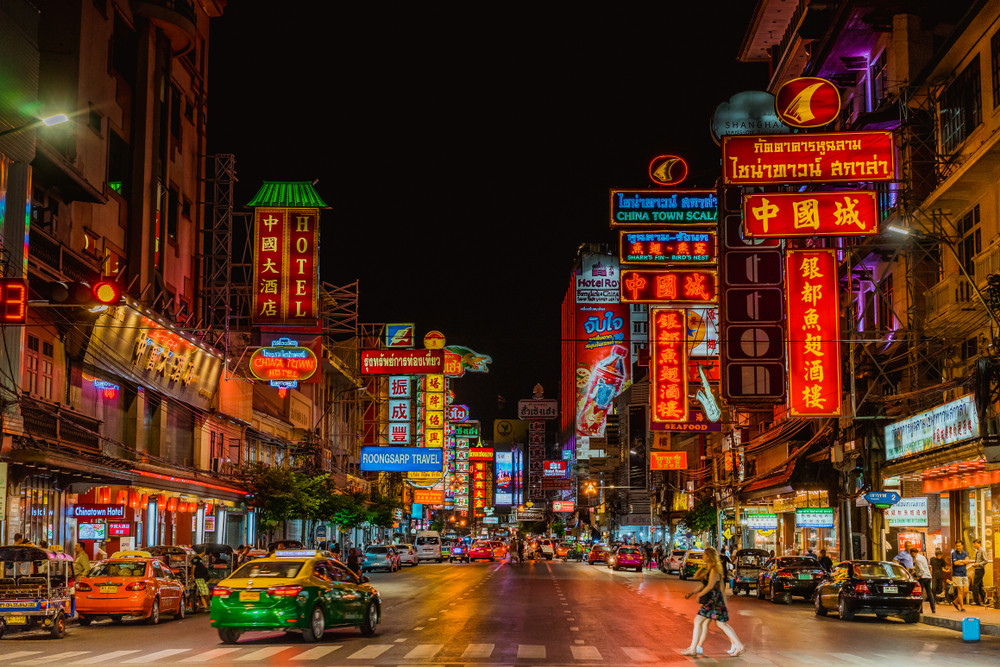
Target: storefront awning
(777,482)
(192,483)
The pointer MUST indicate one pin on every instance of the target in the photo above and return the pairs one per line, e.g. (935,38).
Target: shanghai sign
(286,266)
(813,333)
(784,215)
(668,365)
(833,157)
(807,102)
(633,208)
(667,245)
(668,286)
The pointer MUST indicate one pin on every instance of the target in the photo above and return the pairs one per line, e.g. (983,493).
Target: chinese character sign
(783,215)
(668,286)
(813,333)
(434,410)
(479,488)
(286,266)
(668,365)
(674,246)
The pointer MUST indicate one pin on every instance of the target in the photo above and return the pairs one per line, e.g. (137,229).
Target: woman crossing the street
(713,606)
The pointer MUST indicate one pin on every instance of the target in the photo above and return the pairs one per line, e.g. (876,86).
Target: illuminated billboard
(808,102)
(666,245)
(668,365)
(789,214)
(504,479)
(386,459)
(554,468)
(669,286)
(668,461)
(396,362)
(286,266)
(602,363)
(597,281)
(644,208)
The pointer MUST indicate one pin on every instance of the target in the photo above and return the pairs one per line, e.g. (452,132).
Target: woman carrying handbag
(713,606)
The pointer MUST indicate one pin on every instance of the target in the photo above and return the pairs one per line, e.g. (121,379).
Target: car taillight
(287,591)
(861,588)
(783,573)
(220,592)
(83,587)
(917,591)
(136,586)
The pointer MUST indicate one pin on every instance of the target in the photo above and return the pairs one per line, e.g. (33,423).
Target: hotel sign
(401,362)
(286,266)
(643,208)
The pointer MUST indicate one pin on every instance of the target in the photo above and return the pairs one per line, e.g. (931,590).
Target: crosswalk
(470,654)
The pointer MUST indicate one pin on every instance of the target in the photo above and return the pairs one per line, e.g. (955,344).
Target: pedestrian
(353,562)
(657,556)
(959,577)
(200,573)
(726,566)
(81,562)
(922,571)
(978,571)
(938,574)
(713,606)
(649,555)
(904,558)
(825,560)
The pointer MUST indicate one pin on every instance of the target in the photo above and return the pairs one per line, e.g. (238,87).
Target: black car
(459,552)
(869,587)
(785,576)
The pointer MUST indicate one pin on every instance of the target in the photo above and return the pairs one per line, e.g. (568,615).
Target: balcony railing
(56,424)
(987,262)
(951,295)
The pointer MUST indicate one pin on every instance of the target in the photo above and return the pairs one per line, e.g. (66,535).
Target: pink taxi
(626,556)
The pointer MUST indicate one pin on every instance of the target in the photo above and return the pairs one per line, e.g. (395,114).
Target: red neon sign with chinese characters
(783,215)
(668,460)
(13,300)
(286,266)
(479,488)
(813,333)
(668,286)
(832,157)
(675,246)
(668,365)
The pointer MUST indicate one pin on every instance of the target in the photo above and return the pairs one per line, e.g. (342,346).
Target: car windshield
(481,543)
(428,540)
(269,569)
(880,571)
(696,556)
(678,553)
(118,568)
(376,550)
(628,550)
(798,562)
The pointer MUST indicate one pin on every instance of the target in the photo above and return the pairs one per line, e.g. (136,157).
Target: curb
(956,624)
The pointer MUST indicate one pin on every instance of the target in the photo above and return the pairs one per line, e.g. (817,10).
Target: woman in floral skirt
(713,606)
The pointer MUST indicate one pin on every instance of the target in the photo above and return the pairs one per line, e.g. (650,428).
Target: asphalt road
(542,613)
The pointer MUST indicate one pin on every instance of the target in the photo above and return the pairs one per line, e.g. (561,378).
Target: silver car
(407,554)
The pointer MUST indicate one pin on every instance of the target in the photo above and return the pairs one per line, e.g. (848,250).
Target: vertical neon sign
(668,365)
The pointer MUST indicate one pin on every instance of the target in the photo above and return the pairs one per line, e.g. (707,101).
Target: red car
(481,550)
(626,557)
(598,553)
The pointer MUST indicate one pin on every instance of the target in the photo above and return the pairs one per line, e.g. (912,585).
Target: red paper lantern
(172,505)
(133,499)
(121,497)
(144,501)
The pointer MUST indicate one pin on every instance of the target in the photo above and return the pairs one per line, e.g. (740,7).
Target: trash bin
(970,630)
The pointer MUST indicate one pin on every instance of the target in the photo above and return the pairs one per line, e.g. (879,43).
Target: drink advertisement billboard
(602,363)
(504,479)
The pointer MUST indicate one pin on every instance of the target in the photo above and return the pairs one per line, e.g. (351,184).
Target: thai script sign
(908,512)
(286,266)
(668,365)
(668,286)
(783,215)
(537,409)
(386,459)
(668,461)
(634,208)
(469,429)
(394,362)
(283,363)
(428,497)
(814,517)
(667,245)
(761,521)
(834,157)
(944,425)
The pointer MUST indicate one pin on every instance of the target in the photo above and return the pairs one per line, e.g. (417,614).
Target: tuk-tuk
(747,564)
(178,560)
(35,590)
(219,559)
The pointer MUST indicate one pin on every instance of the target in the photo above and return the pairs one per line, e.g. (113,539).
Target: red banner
(286,266)
(428,497)
(783,215)
(401,362)
(478,488)
(814,388)
(668,460)
(667,286)
(830,157)
(668,365)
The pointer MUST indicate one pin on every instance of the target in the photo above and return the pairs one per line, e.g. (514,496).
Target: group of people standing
(934,574)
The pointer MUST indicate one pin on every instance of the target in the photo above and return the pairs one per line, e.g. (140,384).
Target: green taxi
(294,590)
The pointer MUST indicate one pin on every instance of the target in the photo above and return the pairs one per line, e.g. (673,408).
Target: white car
(546,549)
(674,562)
(407,554)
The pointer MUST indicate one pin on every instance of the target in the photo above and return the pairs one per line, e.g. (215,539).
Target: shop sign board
(747,112)
(504,484)
(807,102)
(99,511)
(556,485)
(563,505)
(395,362)
(882,498)
(668,286)
(603,365)
(399,335)
(491,519)
(405,459)
(668,460)
(532,409)
(428,496)
(668,365)
(643,208)
(944,425)
(668,170)
(830,157)
(399,386)
(597,281)
(814,383)
(286,266)
(123,529)
(288,363)
(469,429)
(911,512)
(814,517)
(554,468)
(3,489)
(791,214)
(453,366)
(458,413)
(674,246)
(480,453)
(761,521)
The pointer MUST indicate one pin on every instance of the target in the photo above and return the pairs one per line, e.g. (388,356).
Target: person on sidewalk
(938,574)
(978,571)
(904,558)
(922,571)
(959,578)
(825,561)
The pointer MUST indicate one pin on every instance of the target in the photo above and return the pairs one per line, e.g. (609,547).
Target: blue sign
(403,459)
(416,511)
(320,532)
(882,497)
(645,207)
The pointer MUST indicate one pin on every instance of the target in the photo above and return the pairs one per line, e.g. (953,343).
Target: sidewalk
(949,617)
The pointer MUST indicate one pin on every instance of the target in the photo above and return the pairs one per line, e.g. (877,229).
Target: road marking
(478,651)
(530,652)
(402,639)
(570,619)
(432,619)
(166,653)
(370,651)
(578,641)
(58,656)
(210,655)
(114,655)
(315,653)
(853,659)
(423,651)
(574,629)
(19,654)
(586,653)
(638,654)
(266,652)
(419,627)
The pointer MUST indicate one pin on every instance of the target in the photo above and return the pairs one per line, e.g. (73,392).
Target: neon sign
(13,300)
(283,364)
(807,102)
(286,266)
(633,208)
(784,215)
(668,461)
(674,246)
(668,365)
(667,169)
(668,286)
(107,389)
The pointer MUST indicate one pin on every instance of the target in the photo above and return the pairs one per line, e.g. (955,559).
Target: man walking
(922,571)
(978,571)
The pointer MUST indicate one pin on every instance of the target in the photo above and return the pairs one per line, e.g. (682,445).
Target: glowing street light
(48,121)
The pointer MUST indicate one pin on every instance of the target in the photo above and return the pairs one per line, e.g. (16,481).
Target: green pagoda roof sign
(288,194)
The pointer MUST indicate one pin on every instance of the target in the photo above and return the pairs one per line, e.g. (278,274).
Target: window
(173,213)
(119,164)
(970,240)
(94,119)
(639,327)
(124,50)
(995,66)
(970,348)
(31,366)
(176,111)
(961,108)
(880,80)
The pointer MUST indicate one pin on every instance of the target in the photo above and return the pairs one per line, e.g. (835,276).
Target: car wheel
(317,626)
(818,604)
(440,559)
(2,626)
(911,617)
(58,630)
(415,563)
(181,610)
(493,560)
(786,598)
(229,635)
(84,620)
(154,613)
(760,591)
(116,619)
(638,569)
(844,613)
(370,620)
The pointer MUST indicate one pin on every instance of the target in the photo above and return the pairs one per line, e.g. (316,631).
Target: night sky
(467,152)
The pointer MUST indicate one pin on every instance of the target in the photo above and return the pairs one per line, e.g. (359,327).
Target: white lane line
(401,639)
(586,653)
(530,652)
(66,655)
(638,654)
(578,641)
(20,654)
(159,655)
(265,652)
(114,655)
(424,651)
(211,655)
(853,659)
(315,653)
(419,627)
(432,619)
(370,651)
(574,629)
(478,651)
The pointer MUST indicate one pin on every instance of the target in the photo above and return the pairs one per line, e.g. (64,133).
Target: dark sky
(467,152)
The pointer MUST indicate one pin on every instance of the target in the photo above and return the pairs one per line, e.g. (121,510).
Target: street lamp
(48,121)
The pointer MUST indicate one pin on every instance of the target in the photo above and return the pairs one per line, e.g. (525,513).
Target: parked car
(129,586)
(459,551)
(380,557)
(673,562)
(598,554)
(692,562)
(869,587)
(284,592)
(407,554)
(626,556)
(481,550)
(785,576)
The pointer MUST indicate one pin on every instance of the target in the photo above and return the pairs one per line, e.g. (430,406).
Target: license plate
(16,620)
(109,589)
(805,576)
(890,589)
(249,596)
